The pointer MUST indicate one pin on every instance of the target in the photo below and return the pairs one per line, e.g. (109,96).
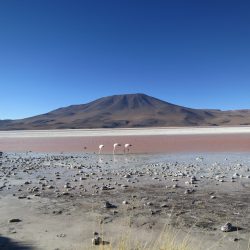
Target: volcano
(128,111)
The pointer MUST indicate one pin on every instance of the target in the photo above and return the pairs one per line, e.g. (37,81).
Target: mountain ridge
(128,110)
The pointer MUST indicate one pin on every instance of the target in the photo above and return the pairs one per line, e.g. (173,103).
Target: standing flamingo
(126,147)
(100,148)
(115,146)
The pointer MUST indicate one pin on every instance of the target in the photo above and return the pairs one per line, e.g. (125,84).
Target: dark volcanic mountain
(131,110)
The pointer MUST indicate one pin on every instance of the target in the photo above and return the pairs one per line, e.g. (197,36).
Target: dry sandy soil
(59,198)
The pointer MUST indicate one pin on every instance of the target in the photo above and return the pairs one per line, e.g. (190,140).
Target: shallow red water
(141,144)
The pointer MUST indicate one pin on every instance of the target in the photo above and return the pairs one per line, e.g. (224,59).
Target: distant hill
(125,111)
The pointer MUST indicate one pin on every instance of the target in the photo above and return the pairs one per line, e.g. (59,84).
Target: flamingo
(115,146)
(126,147)
(100,148)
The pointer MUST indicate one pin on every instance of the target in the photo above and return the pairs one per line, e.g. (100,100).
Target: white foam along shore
(124,132)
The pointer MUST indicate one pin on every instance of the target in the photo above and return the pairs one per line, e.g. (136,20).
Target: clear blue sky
(55,53)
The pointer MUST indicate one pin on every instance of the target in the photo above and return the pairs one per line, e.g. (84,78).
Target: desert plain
(175,184)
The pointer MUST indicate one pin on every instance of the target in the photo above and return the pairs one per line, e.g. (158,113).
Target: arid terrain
(128,111)
(178,183)
(57,201)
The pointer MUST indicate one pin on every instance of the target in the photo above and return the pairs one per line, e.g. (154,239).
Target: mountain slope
(130,110)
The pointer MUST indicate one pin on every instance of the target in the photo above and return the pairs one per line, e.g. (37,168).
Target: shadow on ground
(9,244)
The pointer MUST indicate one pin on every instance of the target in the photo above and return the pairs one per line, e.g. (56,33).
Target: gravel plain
(57,200)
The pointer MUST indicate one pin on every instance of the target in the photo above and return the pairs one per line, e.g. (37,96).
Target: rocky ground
(57,201)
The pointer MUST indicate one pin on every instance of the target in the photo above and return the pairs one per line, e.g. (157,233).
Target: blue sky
(55,53)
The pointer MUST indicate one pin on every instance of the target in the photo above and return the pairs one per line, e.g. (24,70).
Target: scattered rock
(107,204)
(97,240)
(227,227)
(14,220)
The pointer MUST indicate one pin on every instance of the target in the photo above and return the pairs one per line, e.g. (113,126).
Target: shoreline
(60,199)
(125,132)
